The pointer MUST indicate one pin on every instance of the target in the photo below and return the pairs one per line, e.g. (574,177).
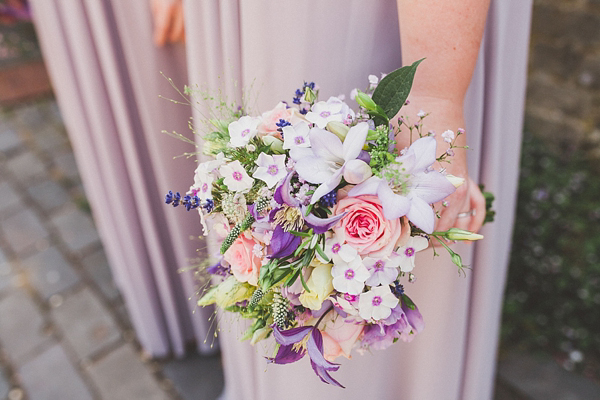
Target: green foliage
(552,298)
(391,93)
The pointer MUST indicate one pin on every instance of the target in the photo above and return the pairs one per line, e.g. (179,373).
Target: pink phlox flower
(350,277)
(383,270)
(242,130)
(235,177)
(271,169)
(377,303)
(407,253)
(333,109)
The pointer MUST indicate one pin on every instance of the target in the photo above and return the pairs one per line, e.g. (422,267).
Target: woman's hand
(168,21)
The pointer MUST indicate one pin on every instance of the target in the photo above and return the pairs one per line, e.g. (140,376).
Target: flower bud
(309,95)
(457,260)
(365,101)
(455,180)
(460,234)
(357,171)
(276,144)
(338,129)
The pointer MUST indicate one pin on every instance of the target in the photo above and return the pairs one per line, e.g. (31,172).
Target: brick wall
(563,93)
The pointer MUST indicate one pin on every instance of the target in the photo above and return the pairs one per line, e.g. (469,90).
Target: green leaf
(409,303)
(393,90)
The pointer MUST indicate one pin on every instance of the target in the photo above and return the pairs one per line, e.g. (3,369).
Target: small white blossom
(332,110)
(421,114)
(271,169)
(350,277)
(377,303)
(296,136)
(373,80)
(407,253)
(383,270)
(242,130)
(448,136)
(235,177)
(353,93)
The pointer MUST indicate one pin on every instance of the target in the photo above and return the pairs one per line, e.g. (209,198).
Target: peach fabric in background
(275,46)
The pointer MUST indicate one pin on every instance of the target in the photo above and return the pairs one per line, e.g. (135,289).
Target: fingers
(162,21)
(177,25)
(457,203)
(478,204)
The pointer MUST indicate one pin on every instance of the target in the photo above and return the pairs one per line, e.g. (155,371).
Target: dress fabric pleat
(274,48)
(106,74)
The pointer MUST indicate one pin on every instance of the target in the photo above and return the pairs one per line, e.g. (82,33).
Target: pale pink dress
(276,46)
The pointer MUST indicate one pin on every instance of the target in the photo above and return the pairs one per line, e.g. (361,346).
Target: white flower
(383,270)
(235,177)
(448,136)
(271,169)
(332,110)
(373,80)
(338,252)
(203,180)
(377,303)
(242,130)
(407,253)
(296,136)
(353,93)
(421,114)
(350,277)
(347,302)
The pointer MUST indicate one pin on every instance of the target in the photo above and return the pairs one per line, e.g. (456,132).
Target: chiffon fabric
(105,71)
(275,47)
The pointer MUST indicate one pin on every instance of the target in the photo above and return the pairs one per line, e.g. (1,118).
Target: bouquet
(320,218)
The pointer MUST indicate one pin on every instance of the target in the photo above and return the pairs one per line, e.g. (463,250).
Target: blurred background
(64,330)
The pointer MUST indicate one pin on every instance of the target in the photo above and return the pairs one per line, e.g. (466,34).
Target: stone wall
(563,93)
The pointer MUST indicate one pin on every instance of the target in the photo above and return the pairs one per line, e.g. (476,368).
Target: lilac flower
(408,187)
(283,243)
(320,225)
(331,160)
(291,350)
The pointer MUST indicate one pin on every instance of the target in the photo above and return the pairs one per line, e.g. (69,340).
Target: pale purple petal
(394,205)
(414,317)
(314,169)
(324,375)
(408,161)
(320,225)
(430,187)
(357,171)
(326,145)
(355,140)
(287,355)
(367,187)
(328,186)
(291,336)
(297,153)
(424,149)
(421,214)
(314,347)
(282,193)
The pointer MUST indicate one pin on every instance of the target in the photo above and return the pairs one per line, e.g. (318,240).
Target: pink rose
(271,118)
(339,337)
(365,228)
(244,264)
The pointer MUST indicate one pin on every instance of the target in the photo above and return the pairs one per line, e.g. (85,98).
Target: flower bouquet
(320,218)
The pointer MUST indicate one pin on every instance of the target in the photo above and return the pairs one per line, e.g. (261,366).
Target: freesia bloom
(406,254)
(331,160)
(271,169)
(377,303)
(350,277)
(320,286)
(339,336)
(409,187)
(331,110)
(245,265)
(365,227)
(235,177)
(242,130)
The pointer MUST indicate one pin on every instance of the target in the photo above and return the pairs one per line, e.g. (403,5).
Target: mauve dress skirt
(105,72)
(274,47)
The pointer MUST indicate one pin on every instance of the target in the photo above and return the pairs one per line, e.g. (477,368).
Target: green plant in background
(552,298)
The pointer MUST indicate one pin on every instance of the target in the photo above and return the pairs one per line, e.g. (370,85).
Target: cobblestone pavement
(64,330)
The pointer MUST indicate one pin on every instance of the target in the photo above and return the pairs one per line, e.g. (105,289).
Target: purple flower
(289,352)
(283,243)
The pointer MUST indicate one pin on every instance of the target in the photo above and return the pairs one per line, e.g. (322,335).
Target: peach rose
(339,337)
(245,266)
(271,118)
(366,229)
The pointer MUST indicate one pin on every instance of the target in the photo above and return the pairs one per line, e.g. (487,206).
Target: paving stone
(24,332)
(26,166)
(51,139)
(67,165)
(48,194)
(49,272)
(86,324)
(9,140)
(540,379)
(196,377)
(97,266)
(31,116)
(23,230)
(8,196)
(121,375)
(50,376)
(76,229)
(4,384)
